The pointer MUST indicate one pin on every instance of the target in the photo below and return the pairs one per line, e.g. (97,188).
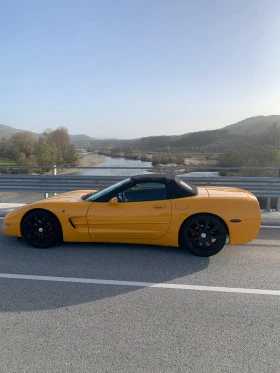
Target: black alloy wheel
(41,229)
(203,235)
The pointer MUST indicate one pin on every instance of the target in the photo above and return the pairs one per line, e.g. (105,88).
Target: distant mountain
(6,131)
(254,125)
(245,133)
(80,138)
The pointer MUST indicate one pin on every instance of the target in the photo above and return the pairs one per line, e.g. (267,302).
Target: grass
(7,162)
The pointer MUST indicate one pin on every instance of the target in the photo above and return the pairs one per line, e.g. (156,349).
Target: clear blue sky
(133,68)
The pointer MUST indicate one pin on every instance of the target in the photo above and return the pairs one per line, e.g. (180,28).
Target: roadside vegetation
(251,145)
(25,149)
(266,153)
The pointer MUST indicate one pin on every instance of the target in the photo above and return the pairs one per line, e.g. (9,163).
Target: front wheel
(41,229)
(203,235)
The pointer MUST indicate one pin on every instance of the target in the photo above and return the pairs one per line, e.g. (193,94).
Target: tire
(203,235)
(41,229)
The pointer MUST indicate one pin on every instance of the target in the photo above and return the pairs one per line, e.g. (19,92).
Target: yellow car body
(156,222)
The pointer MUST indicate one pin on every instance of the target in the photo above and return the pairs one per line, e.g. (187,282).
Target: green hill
(6,131)
(245,133)
(254,125)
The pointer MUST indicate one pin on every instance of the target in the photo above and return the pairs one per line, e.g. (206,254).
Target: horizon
(117,138)
(129,70)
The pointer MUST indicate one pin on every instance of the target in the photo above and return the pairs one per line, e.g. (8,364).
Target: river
(122,162)
(118,162)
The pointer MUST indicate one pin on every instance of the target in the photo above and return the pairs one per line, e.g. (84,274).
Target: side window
(143,192)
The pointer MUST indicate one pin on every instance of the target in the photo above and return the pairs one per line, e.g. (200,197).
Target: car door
(138,212)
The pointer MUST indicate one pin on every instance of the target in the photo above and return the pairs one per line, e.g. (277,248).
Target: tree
(46,154)
(60,137)
(22,142)
(71,156)
(66,153)
(233,158)
(262,156)
(272,136)
(27,161)
(4,147)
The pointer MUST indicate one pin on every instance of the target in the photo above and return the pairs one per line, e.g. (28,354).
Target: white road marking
(141,284)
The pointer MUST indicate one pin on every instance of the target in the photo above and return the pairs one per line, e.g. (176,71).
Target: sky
(135,68)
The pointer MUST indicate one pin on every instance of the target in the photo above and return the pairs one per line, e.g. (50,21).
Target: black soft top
(154,177)
(176,188)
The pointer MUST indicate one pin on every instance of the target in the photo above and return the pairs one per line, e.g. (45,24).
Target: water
(118,162)
(122,162)
(203,174)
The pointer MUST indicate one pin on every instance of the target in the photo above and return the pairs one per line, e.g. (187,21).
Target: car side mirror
(113,201)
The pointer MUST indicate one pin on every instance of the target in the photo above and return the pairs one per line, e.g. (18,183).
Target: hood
(74,195)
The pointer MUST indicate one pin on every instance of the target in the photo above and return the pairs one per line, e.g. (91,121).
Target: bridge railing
(260,186)
(267,187)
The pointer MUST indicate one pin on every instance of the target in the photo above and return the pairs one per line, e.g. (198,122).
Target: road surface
(203,318)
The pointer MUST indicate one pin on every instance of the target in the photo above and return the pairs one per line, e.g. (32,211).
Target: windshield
(102,192)
(187,186)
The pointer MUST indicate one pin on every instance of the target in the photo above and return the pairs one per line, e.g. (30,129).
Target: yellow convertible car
(153,209)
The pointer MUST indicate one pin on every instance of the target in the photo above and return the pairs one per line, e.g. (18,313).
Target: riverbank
(87,160)
(168,158)
(91,160)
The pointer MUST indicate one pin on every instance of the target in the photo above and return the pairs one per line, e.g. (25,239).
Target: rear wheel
(203,235)
(41,229)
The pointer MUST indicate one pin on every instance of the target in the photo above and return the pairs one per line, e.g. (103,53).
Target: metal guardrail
(260,186)
(267,187)
(159,168)
(54,183)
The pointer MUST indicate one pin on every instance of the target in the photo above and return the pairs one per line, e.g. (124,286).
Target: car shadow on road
(137,263)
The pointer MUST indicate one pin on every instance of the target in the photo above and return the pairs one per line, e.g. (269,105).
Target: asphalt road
(52,326)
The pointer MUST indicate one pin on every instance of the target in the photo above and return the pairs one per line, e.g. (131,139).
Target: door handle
(159,207)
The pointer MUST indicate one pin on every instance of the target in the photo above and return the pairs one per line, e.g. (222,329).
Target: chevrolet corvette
(157,209)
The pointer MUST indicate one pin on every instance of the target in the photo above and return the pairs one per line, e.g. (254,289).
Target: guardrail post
(278,199)
(268,203)
(54,173)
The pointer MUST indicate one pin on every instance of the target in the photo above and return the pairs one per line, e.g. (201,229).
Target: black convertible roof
(176,188)
(152,177)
